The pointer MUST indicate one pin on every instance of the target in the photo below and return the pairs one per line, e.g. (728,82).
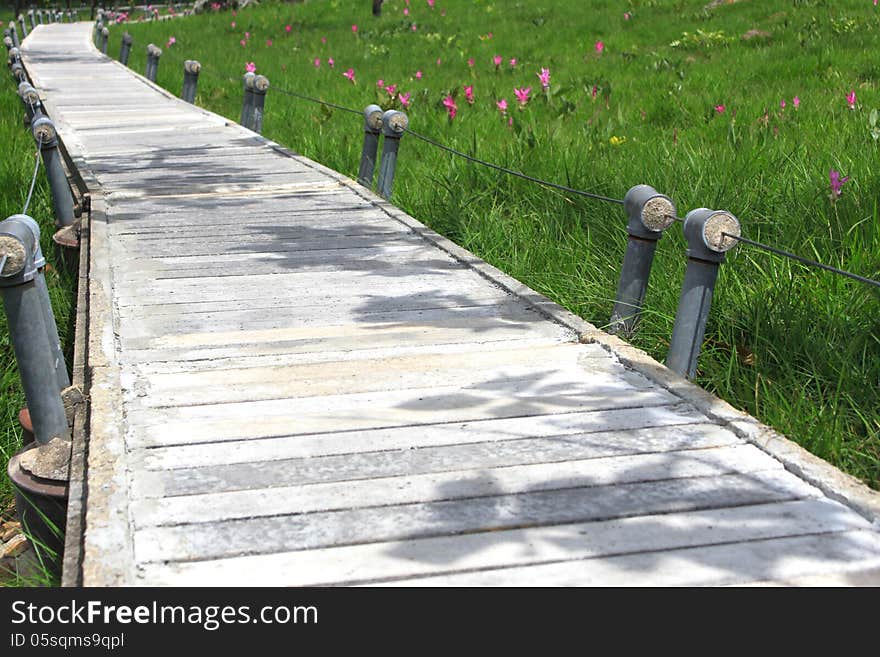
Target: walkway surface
(291,382)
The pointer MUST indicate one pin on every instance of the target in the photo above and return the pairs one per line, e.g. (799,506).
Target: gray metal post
(30,98)
(31,19)
(18,71)
(650,213)
(191,70)
(261,86)
(13,32)
(153,55)
(62,199)
(24,31)
(372,129)
(22,301)
(105,39)
(7,41)
(40,16)
(393,125)
(706,232)
(247,103)
(125,49)
(97,32)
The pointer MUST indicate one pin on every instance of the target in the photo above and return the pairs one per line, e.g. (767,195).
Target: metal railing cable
(34,177)
(803,260)
(294,94)
(512,172)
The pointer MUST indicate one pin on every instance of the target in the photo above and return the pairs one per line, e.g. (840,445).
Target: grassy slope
(798,348)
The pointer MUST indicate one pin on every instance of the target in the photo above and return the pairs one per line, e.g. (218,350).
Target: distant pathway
(291,382)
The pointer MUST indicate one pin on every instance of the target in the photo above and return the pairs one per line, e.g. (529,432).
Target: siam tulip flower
(247,35)
(268,43)
(782,104)
(596,90)
(354,29)
(288,28)
(323,39)
(544,77)
(600,46)
(418,75)
(720,109)
(232,25)
(431,3)
(796,102)
(513,62)
(380,83)
(471,62)
(317,62)
(243,43)
(836,183)
(851,99)
(404,99)
(626,15)
(522,96)
(502,106)
(497,59)
(438,61)
(391,89)
(330,62)
(406,11)
(171,42)
(350,75)
(250,67)
(451,107)
(469,93)
(414,28)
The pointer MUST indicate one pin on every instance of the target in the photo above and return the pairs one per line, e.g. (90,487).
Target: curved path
(293,382)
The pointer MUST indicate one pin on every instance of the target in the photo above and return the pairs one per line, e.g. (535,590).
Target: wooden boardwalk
(291,382)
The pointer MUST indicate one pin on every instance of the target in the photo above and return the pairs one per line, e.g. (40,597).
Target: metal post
(30,98)
(125,48)
(22,301)
(13,32)
(40,16)
(97,34)
(191,70)
(24,31)
(247,103)
(105,39)
(62,199)
(261,86)
(31,19)
(372,129)
(707,232)
(7,41)
(153,55)
(650,213)
(18,71)
(393,125)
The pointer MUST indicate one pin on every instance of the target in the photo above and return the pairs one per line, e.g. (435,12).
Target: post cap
(126,39)
(249,78)
(394,123)
(20,244)
(7,41)
(105,32)
(650,212)
(44,130)
(373,118)
(710,233)
(192,66)
(261,83)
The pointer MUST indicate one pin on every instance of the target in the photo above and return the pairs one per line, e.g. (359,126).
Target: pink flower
(796,102)
(323,39)
(544,77)
(391,89)
(317,62)
(171,42)
(250,67)
(288,28)
(596,90)
(354,29)
(720,109)
(836,183)
(418,75)
(380,83)
(600,46)
(469,93)
(451,107)
(471,62)
(413,28)
(232,25)
(247,35)
(626,15)
(851,99)
(243,43)
(350,75)
(502,105)
(438,61)
(405,11)
(268,43)
(522,95)
(330,62)
(782,104)
(404,99)
(497,59)
(431,3)
(513,62)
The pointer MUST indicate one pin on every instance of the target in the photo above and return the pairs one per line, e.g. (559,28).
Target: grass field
(683,97)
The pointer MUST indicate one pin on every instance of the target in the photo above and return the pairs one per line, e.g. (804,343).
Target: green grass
(797,347)
(16,170)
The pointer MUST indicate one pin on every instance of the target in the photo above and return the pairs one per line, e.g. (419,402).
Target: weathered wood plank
(390,562)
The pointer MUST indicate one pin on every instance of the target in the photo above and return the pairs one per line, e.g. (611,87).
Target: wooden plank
(411,521)
(571,544)
(770,559)
(265,498)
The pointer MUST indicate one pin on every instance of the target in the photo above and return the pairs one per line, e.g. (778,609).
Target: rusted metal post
(708,235)
(372,130)
(394,123)
(650,213)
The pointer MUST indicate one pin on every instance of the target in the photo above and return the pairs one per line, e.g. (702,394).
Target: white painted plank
(390,562)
